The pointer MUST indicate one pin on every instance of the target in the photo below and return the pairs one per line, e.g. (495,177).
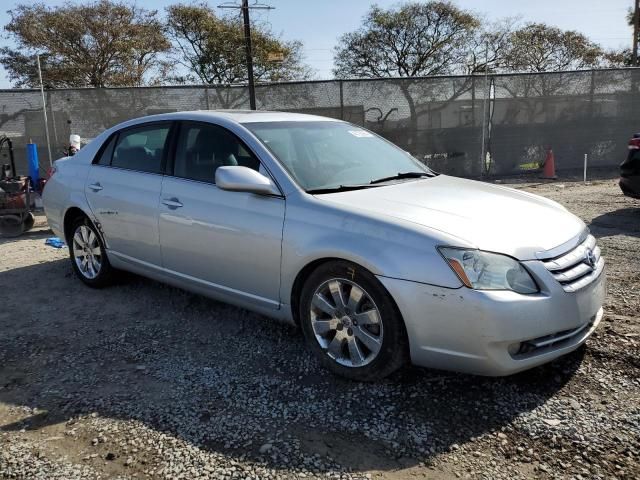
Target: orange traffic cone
(549,168)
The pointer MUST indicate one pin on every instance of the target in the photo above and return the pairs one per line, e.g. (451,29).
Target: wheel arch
(70,215)
(309,268)
(301,277)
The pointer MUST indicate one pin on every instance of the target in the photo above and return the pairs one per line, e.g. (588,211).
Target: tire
(28,221)
(85,242)
(358,333)
(11,226)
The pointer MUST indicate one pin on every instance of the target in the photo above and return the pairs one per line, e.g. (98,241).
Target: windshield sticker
(360,133)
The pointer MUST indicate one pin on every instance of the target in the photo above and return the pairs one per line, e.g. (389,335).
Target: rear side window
(107,152)
(141,148)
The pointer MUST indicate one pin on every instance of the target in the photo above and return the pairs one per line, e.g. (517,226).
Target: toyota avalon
(324,224)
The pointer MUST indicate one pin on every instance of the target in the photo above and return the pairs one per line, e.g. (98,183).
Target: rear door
(226,242)
(123,188)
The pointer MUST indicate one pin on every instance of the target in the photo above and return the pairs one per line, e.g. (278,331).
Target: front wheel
(351,322)
(88,255)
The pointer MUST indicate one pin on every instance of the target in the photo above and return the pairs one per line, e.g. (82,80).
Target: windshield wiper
(339,188)
(372,183)
(402,175)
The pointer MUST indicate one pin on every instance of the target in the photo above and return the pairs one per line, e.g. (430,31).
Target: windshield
(330,155)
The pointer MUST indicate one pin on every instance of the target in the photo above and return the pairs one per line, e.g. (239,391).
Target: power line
(245,7)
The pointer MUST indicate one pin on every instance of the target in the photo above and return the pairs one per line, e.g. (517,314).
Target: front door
(227,242)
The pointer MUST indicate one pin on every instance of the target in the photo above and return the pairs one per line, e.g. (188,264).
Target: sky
(319,23)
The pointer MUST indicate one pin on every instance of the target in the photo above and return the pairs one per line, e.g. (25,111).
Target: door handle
(96,187)
(172,203)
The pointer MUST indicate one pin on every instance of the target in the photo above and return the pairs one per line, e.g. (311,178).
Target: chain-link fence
(462,125)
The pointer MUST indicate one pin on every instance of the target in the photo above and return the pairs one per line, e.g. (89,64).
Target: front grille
(572,269)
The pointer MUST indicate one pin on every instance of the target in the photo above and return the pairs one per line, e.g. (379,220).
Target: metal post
(341,101)
(484,105)
(636,27)
(473,100)
(592,91)
(44,112)
(585,167)
(53,120)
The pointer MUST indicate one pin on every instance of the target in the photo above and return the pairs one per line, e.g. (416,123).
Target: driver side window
(203,147)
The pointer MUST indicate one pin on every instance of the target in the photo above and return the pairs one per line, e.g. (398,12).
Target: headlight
(489,271)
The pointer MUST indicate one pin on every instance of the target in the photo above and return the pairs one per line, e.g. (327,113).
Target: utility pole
(636,28)
(247,45)
(245,7)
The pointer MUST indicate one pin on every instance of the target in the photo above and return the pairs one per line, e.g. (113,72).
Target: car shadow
(624,221)
(226,380)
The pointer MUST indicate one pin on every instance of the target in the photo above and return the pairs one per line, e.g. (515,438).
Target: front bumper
(496,332)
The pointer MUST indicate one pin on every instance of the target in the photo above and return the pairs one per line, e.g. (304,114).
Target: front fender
(388,249)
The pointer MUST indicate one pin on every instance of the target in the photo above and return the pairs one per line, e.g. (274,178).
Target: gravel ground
(143,381)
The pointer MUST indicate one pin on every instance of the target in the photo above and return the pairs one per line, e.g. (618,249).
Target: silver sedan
(326,225)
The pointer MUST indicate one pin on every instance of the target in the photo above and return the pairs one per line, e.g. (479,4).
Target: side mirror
(244,179)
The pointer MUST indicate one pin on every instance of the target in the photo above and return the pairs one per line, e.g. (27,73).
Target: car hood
(481,215)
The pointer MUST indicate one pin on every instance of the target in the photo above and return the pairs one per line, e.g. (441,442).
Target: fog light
(514,348)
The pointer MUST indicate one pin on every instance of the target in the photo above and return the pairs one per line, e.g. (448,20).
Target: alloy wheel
(86,252)
(346,322)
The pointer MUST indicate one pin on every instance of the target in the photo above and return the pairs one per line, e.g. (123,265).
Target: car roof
(240,116)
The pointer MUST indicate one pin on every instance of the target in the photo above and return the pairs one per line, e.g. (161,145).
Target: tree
(488,46)
(211,48)
(617,58)
(103,43)
(413,39)
(541,48)
(622,57)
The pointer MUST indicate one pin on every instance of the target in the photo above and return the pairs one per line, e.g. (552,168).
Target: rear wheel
(88,255)
(351,322)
